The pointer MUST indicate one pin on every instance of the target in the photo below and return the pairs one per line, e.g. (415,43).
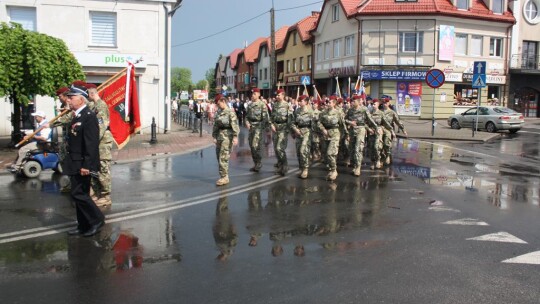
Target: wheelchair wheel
(31,169)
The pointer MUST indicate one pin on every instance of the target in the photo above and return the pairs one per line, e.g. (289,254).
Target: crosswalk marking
(529,258)
(467,222)
(441,208)
(502,236)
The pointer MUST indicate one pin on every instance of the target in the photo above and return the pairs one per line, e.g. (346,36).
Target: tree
(32,64)
(210,77)
(180,79)
(201,85)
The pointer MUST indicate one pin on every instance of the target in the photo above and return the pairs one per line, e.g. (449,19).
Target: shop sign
(348,70)
(394,75)
(490,79)
(93,59)
(453,77)
(293,79)
(266,85)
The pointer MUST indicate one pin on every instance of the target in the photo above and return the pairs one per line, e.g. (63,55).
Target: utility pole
(272,49)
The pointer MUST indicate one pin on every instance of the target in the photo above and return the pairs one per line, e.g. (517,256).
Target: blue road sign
(435,78)
(305,80)
(479,68)
(479,81)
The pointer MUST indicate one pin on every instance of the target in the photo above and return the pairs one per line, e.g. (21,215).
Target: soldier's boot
(104,201)
(284,170)
(356,171)
(222,181)
(276,165)
(277,169)
(388,160)
(378,165)
(304,173)
(332,175)
(256,168)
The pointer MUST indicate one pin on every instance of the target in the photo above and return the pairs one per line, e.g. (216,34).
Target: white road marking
(467,222)
(503,237)
(529,132)
(529,258)
(440,208)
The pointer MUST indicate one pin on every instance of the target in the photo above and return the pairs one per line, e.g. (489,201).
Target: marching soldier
(357,119)
(388,133)
(225,134)
(301,126)
(280,119)
(376,137)
(332,125)
(318,106)
(102,185)
(343,153)
(256,122)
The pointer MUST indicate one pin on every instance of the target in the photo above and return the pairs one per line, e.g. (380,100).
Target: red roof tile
(306,25)
(252,51)
(478,10)
(233,57)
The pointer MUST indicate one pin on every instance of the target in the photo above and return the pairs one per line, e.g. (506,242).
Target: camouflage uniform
(316,137)
(357,134)
(376,138)
(343,153)
(102,185)
(331,121)
(303,123)
(388,134)
(281,119)
(257,116)
(63,121)
(224,131)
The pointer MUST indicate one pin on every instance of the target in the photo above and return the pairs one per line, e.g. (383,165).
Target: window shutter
(26,16)
(103,26)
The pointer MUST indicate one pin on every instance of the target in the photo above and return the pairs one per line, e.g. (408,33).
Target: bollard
(153,138)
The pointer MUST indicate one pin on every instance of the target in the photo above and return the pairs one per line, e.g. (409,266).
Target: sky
(200,18)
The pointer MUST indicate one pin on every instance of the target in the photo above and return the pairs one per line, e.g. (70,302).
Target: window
(530,10)
(462,4)
(497,6)
(301,64)
(327,50)
(294,38)
(349,45)
(411,42)
(294,65)
(476,46)
(260,75)
(103,29)
(335,12)
(309,62)
(265,52)
(461,44)
(288,66)
(337,48)
(265,73)
(495,47)
(319,52)
(25,16)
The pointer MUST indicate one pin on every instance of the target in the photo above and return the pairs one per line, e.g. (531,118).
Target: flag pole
(338,89)
(349,91)
(317,92)
(41,128)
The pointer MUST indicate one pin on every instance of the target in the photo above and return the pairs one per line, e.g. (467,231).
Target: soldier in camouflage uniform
(225,134)
(103,183)
(388,133)
(331,124)
(376,136)
(316,135)
(357,119)
(343,153)
(301,127)
(280,122)
(256,122)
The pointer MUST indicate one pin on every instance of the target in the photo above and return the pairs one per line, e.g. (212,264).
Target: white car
(490,118)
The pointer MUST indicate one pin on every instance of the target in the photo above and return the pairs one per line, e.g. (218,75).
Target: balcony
(525,62)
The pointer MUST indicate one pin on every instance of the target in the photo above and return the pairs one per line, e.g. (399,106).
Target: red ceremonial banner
(120,94)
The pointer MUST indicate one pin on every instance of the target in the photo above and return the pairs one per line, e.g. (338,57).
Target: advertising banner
(409,98)
(446,42)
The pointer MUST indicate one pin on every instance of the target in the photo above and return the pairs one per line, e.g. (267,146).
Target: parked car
(490,118)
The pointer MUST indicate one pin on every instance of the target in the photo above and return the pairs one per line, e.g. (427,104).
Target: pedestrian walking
(225,134)
(256,121)
(280,122)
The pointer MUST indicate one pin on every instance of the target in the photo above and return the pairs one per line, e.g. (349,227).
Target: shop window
(465,94)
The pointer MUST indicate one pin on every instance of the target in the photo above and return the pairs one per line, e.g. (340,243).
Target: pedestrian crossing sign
(479,81)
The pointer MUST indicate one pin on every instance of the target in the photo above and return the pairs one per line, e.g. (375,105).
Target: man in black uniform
(81,159)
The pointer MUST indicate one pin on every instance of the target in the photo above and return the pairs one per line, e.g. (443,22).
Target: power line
(242,23)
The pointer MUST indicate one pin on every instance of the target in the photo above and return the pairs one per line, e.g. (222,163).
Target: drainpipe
(507,67)
(359,50)
(168,15)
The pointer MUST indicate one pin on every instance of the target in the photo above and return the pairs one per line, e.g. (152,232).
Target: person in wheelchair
(41,140)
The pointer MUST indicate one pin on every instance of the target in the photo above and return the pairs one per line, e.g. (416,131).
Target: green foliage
(181,79)
(210,73)
(201,85)
(34,64)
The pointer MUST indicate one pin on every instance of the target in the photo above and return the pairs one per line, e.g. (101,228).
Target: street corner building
(104,36)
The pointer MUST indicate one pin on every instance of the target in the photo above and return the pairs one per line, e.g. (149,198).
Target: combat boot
(277,169)
(304,173)
(356,171)
(276,165)
(103,201)
(284,170)
(256,168)
(332,175)
(222,181)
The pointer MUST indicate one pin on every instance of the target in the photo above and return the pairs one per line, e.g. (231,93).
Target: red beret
(348,99)
(303,97)
(61,91)
(90,86)
(255,90)
(79,83)
(376,100)
(217,98)
(386,100)
(355,97)
(280,91)
(333,97)
(340,99)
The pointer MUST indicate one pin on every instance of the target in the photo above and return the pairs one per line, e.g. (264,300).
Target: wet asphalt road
(386,237)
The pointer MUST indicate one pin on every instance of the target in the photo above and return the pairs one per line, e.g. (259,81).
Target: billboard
(409,98)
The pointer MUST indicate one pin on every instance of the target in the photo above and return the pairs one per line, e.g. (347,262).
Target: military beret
(79,83)
(333,97)
(303,97)
(355,97)
(90,86)
(217,98)
(280,91)
(255,90)
(61,91)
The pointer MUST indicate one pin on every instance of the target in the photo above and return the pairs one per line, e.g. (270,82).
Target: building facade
(103,36)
